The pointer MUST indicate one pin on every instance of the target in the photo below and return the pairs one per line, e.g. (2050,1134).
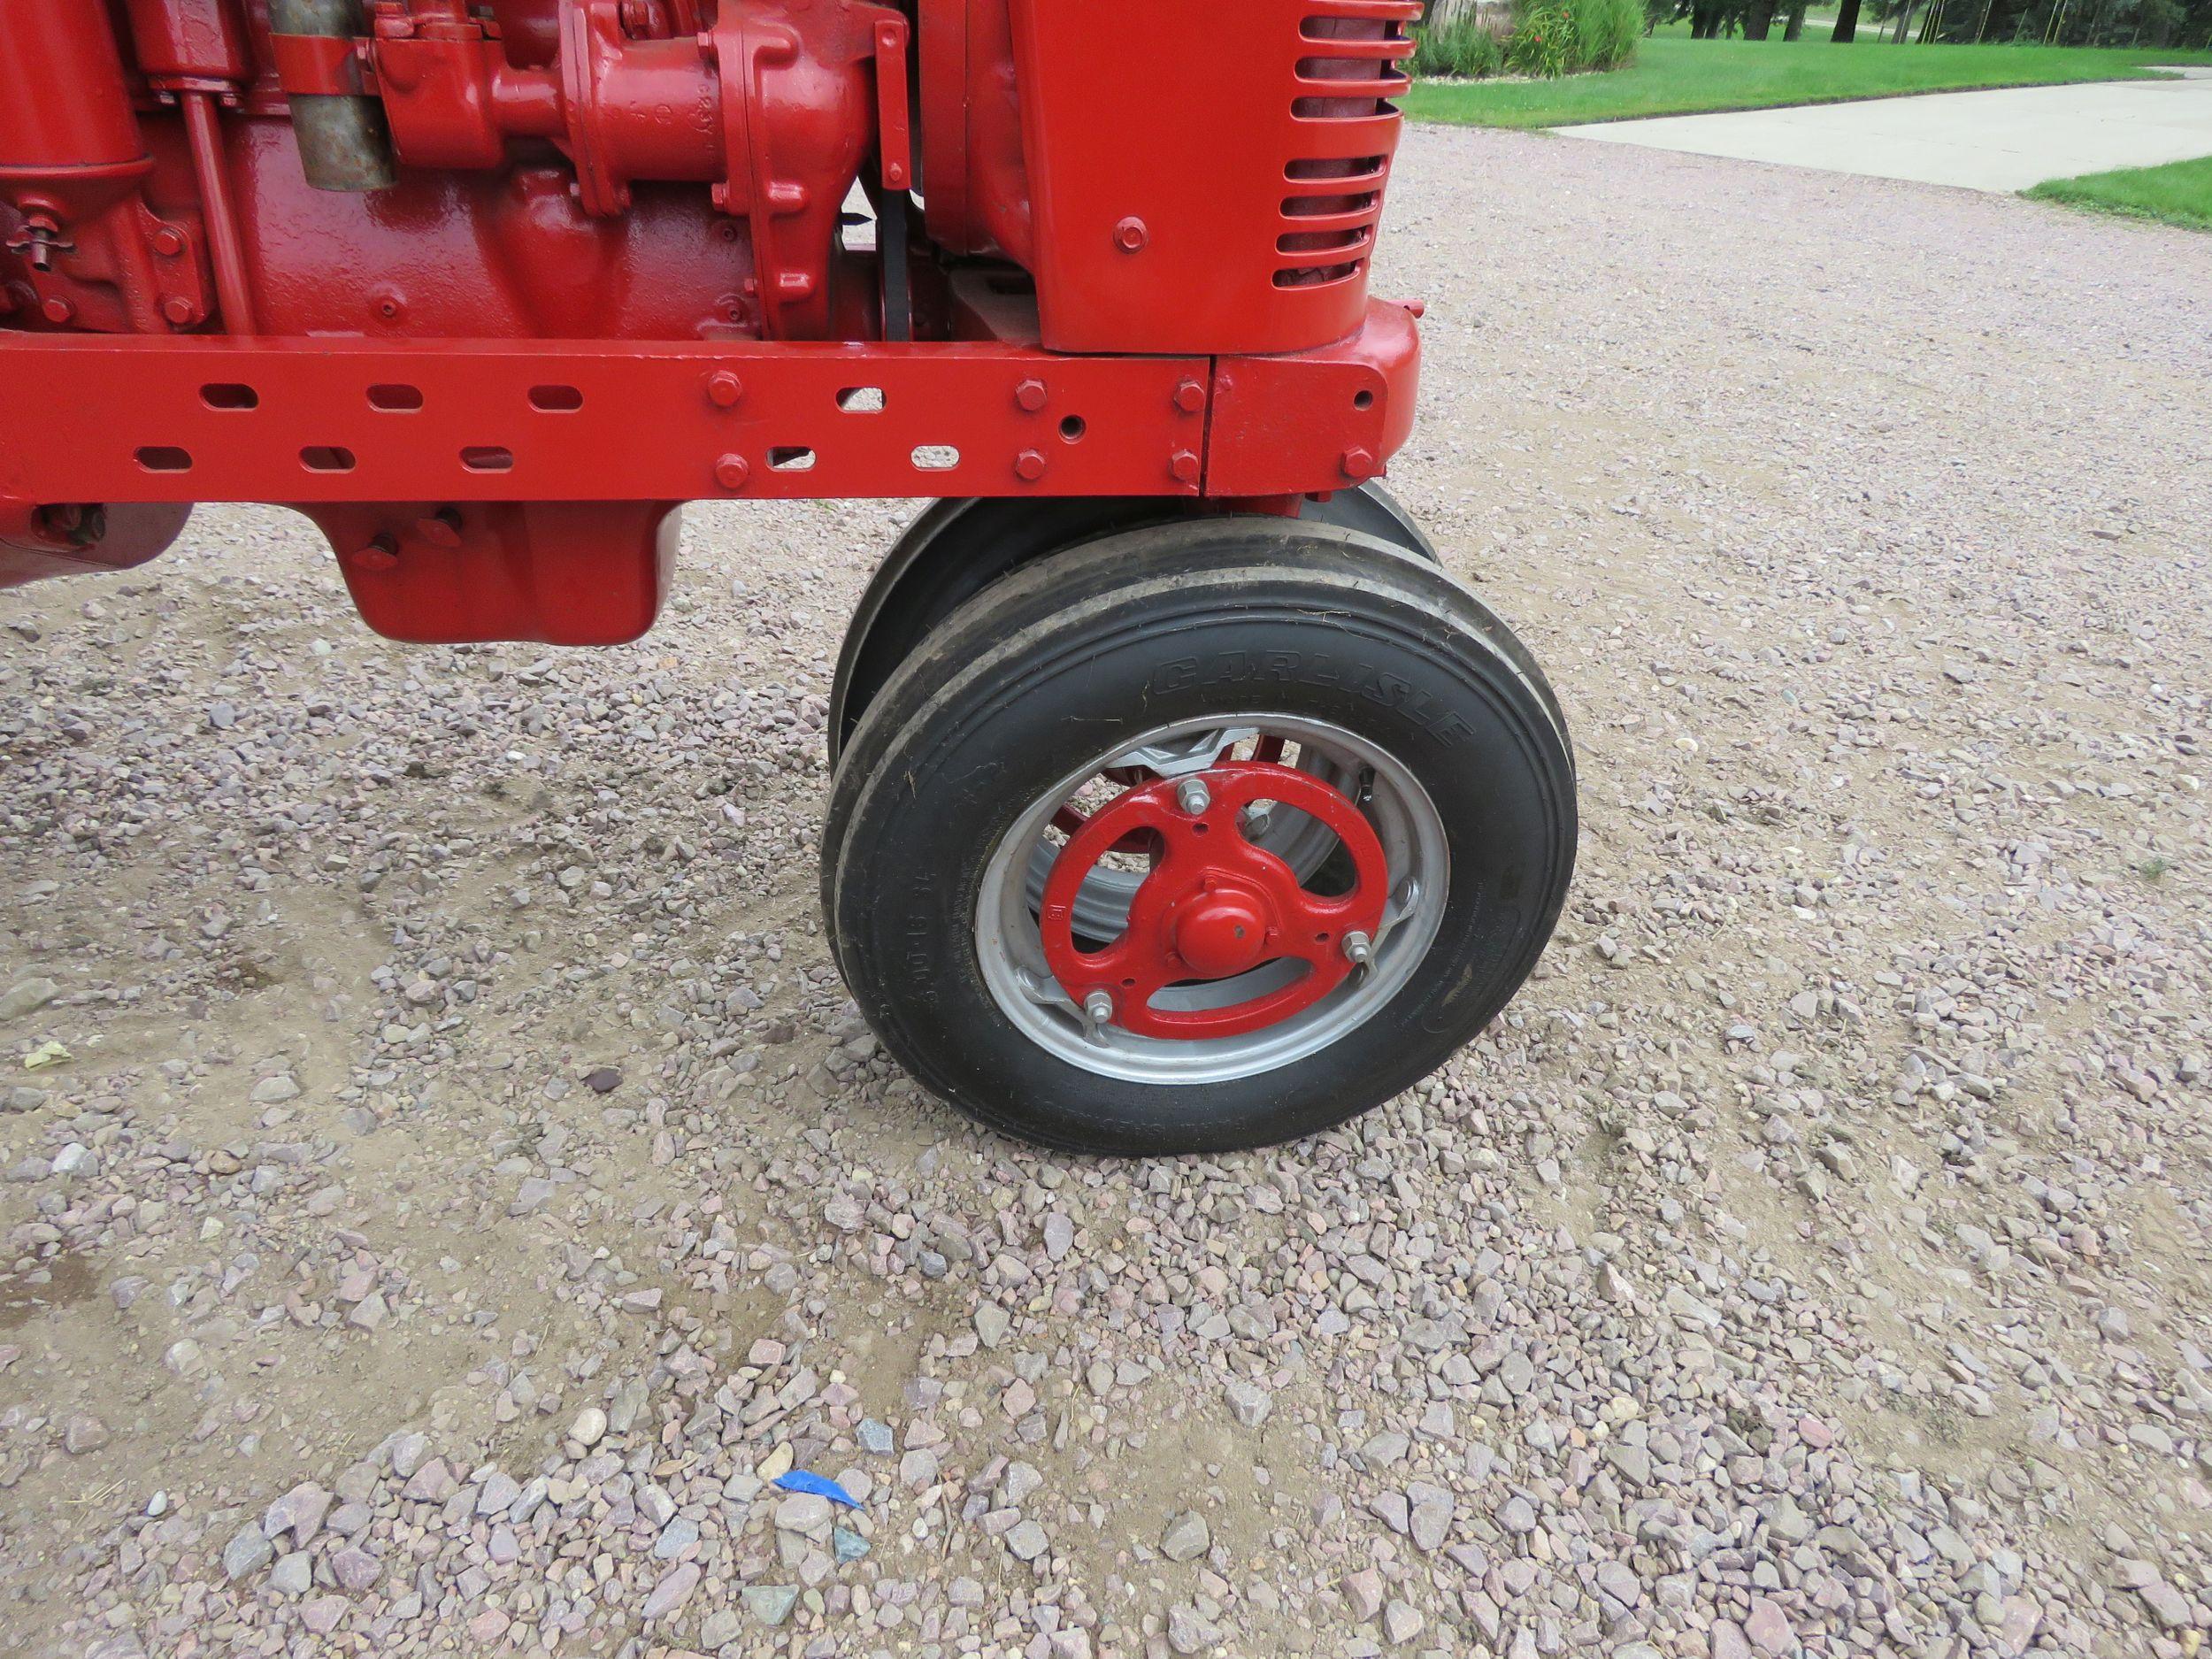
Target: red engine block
(489,290)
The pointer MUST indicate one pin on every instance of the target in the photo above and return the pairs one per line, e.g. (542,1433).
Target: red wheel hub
(1214,905)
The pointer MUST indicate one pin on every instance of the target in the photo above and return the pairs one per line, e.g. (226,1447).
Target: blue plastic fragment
(819,1485)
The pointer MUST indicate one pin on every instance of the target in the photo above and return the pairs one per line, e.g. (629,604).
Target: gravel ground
(469,1184)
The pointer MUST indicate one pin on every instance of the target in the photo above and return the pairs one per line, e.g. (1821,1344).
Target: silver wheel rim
(1010,949)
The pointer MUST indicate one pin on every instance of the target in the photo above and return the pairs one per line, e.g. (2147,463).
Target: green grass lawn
(1675,75)
(2179,193)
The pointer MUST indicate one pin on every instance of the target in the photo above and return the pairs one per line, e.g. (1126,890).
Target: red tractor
(1181,801)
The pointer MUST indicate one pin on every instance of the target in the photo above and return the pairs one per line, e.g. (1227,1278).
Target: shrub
(1548,38)
(1543,39)
(1605,32)
(1462,47)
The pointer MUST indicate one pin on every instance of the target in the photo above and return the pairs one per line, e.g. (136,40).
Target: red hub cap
(1214,905)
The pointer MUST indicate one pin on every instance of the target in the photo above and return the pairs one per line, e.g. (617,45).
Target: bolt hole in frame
(861,400)
(164,458)
(327,457)
(395,399)
(935,457)
(488,458)
(229,395)
(556,400)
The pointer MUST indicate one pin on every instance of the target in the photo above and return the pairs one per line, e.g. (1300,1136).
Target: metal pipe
(344,143)
(225,247)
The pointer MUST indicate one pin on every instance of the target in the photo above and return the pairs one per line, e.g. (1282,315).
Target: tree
(1847,23)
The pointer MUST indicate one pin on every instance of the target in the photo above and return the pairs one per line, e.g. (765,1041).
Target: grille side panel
(1208,178)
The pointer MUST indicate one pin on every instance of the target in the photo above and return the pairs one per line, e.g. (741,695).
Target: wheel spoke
(1216,906)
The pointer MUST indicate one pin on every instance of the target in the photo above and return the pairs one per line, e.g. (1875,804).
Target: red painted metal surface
(71,538)
(297,421)
(1282,425)
(1207,177)
(1214,905)
(563,572)
(197,45)
(604,205)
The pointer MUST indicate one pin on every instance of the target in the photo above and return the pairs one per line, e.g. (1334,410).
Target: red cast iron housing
(488,289)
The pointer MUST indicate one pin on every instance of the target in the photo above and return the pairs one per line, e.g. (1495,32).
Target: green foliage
(1543,40)
(2179,193)
(1462,47)
(1673,74)
(1548,38)
(1605,32)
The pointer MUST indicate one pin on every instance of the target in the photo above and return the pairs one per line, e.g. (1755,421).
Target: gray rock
(26,996)
(293,1574)
(1249,1401)
(770,1604)
(1187,1537)
(247,1551)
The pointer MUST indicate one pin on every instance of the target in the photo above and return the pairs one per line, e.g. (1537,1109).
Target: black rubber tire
(956,548)
(1154,625)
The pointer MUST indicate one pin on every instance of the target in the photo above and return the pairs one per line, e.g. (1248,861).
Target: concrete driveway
(2004,140)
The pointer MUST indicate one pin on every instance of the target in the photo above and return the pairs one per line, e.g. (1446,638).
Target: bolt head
(1193,795)
(724,389)
(1359,949)
(1098,1007)
(1029,466)
(1130,235)
(1183,464)
(1359,464)
(169,242)
(731,471)
(1030,396)
(178,310)
(382,554)
(1190,397)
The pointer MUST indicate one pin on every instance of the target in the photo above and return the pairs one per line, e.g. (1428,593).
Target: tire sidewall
(1404,675)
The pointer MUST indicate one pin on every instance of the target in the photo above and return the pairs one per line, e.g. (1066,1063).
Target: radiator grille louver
(1351,66)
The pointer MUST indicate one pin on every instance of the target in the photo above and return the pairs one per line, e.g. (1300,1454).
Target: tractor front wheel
(1199,837)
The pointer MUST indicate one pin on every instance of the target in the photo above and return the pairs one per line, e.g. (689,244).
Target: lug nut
(1359,951)
(1098,1007)
(1191,796)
